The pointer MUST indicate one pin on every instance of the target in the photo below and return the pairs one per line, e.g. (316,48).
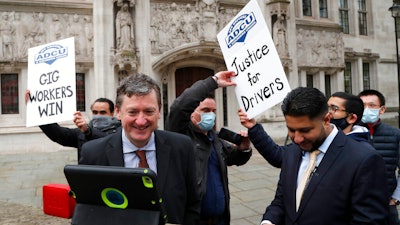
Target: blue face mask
(370,115)
(207,121)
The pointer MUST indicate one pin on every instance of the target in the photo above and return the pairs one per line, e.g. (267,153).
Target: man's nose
(298,137)
(141,119)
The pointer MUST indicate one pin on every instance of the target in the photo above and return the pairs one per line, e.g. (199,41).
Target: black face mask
(340,123)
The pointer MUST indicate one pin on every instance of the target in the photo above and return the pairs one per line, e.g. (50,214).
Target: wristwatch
(88,131)
(397,202)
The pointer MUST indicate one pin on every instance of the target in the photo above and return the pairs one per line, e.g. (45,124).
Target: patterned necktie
(142,158)
(305,177)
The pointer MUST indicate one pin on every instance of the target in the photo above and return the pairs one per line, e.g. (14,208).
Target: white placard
(249,50)
(51,81)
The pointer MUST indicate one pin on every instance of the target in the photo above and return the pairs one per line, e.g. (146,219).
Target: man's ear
(382,110)
(117,113)
(327,119)
(352,118)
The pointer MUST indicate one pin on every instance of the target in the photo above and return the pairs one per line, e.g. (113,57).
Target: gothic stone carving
(20,31)
(320,48)
(174,24)
(279,35)
(124,53)
(278,8)
(7,31)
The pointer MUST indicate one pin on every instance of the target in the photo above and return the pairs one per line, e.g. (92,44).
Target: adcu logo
(50,54)
(239,28)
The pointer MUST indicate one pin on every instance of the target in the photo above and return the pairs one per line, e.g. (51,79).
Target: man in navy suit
(348,185)
(170,155)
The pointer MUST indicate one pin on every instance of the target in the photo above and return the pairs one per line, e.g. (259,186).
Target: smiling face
(139,116)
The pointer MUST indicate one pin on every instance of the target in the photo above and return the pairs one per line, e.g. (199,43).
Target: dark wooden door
(185,77)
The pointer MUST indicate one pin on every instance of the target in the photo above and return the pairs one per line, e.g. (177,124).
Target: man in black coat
(102,124)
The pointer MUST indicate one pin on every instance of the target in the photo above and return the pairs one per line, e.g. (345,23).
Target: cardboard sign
(51,81)
(249,50)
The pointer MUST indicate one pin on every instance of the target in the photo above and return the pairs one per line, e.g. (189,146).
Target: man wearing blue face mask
(193,114)
(385,139)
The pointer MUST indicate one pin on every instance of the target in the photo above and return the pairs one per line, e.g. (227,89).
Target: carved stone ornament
(175,24)
(120,2)
(320,48)
(278,8)
(125,60)
(20,31)
(125,54)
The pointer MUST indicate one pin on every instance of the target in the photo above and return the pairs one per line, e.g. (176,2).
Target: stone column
(142,30)
(320,81)
(303,78)
(103,22)
(339,81)
(359,70)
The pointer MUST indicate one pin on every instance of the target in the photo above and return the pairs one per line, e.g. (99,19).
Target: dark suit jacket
(175,170)
(349,187)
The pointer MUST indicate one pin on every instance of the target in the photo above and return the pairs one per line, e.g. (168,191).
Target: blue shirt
(213,203)
(131,160)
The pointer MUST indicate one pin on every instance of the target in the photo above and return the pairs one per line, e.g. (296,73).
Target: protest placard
(51,81)
(249,50)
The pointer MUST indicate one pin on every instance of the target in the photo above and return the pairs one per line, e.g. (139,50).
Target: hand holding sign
(250,52)
(224,78)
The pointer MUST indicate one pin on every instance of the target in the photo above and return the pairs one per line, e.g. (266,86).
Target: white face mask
(370,115)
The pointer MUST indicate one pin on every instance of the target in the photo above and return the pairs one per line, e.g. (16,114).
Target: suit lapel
(335,148)
(114,150)
(163,149)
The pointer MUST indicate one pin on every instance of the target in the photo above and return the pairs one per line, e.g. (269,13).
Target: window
(80,92)
(328,91)
(310,81)
(362,17)
(366,76)
(225,105)
(9,94)
(344,16)
(347,78)
(165,100)
(323,8)
(307,10)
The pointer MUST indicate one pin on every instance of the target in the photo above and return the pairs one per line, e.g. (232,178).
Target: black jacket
(179,121)
(72,137)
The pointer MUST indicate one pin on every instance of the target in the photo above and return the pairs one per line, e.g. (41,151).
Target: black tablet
(115,187)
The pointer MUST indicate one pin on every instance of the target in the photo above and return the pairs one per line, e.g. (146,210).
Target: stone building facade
(344,45)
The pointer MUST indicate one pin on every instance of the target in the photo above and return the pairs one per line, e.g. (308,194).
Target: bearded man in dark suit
(348,184)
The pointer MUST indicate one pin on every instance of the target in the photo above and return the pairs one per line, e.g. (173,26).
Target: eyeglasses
(334,108)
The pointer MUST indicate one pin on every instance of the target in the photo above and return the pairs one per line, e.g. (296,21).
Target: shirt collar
(129,147)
